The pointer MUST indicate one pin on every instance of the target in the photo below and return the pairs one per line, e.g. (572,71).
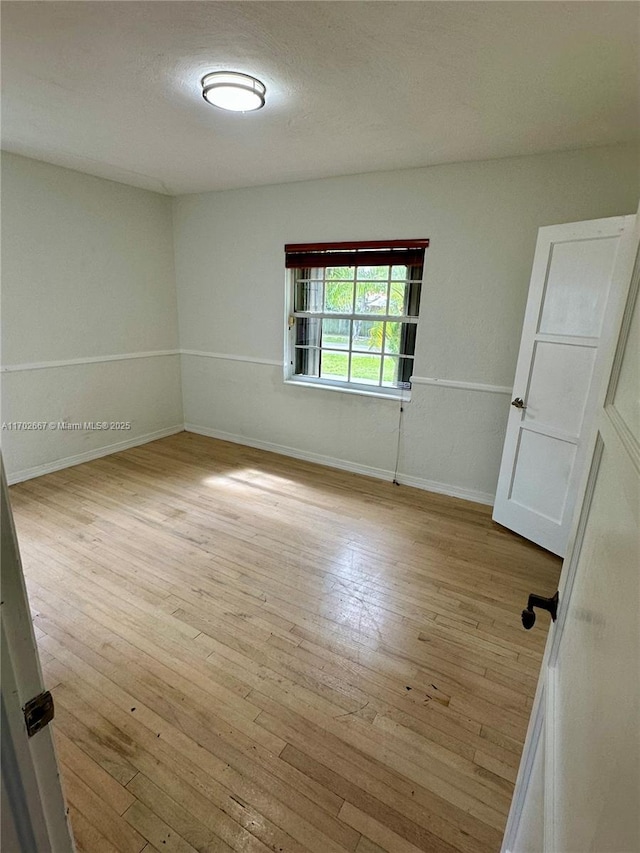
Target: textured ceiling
(111,88)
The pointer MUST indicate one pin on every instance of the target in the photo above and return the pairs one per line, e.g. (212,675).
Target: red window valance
(364,253)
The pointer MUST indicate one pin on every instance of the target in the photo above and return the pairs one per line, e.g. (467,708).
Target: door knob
(518,403)
(550,604)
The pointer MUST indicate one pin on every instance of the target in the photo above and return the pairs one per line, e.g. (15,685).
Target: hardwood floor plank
(87,837)
(382,783)
(423,751)
(372,806)
(107,821)
(197,775)
(158,833)
(354,732)
(376,831)
(366,846)
(174,815)
(252,653)
(317,804)
(249,782)
(101,783)
(142,675)
(102,746)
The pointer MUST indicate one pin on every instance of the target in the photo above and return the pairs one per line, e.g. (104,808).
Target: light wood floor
(253,653)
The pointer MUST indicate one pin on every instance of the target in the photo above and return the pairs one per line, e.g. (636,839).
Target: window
(354,313)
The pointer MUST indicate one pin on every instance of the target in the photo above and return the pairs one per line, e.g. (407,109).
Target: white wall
(482,219)
(87,274)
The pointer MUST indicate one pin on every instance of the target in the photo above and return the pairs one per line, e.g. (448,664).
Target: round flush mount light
(231,90)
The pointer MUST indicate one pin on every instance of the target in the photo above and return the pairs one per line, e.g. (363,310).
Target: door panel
(574,299)
(572,285)
(559,386)
(541,474)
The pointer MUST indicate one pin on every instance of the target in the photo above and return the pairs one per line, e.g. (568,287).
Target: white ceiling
(112,88)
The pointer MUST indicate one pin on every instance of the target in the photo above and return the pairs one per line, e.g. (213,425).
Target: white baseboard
(284,450)
(346,465)
(446,489)
(305,455)
(87,456)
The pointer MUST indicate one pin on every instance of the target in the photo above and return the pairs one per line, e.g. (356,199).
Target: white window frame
(400,392)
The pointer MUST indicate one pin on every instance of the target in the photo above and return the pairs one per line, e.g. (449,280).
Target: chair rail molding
(461,385)
(92,359)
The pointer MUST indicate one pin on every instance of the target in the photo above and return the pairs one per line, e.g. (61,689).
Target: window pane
(307,362)
(338,297)
(371,297)
(405,371)
(365,369)
(335,365)
(308,296)
(308,332)
(413,299)
(408,339)
(390,372)
(335,334)
(397,371)
(399,271)
(373,273)
(367,335)
(392,337)
(398,298)
(339,273)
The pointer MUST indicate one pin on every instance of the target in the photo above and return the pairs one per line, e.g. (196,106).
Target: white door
(556,379)
(33,810)
(578,787)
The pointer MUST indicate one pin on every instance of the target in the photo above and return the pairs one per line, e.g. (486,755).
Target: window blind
(345,254)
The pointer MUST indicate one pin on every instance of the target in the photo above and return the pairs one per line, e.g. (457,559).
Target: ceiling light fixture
(231,90)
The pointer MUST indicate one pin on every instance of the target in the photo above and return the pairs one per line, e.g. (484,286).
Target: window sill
(402,394)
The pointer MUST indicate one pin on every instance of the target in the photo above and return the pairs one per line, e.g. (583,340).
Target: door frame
(615,332)
(31,790)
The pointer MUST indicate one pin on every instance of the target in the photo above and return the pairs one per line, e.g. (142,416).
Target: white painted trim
(525,769)
(284,450)
(624,434)
(446,489)
(228,357)
(415,380)
(404,395)
(89,455)
(30,771)
(567,340)
(101,359)
(345,465)
(464,386)
(550,758)
(97,359)
(542,429)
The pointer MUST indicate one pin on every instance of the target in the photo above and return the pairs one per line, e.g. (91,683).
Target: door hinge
(38,712)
